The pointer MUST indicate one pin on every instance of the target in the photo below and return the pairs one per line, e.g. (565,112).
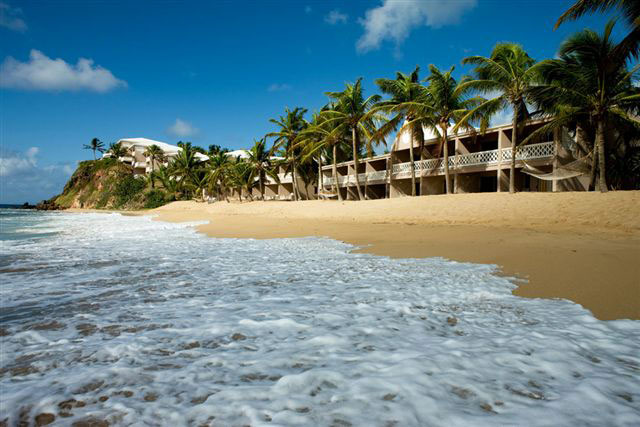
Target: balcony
(285,178)
(545,150)
(460,162)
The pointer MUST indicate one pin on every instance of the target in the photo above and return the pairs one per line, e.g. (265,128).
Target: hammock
(570,170)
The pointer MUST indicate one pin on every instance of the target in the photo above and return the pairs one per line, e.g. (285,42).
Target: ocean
(122,319)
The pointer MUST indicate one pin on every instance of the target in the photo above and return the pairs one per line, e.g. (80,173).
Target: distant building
(139,162)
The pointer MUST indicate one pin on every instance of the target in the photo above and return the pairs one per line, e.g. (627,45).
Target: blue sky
(215,72)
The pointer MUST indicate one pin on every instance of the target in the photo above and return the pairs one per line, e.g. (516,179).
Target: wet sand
(580,246)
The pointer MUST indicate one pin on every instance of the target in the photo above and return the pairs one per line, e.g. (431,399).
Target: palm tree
(582,86)
(241,178)
(440,105)
(117,150)
(404,90)
(218,170)
(508,71)
(630,10)
(95,145)
(185,165)
(291,124)
(353,113)
(260,163)
(324,137)
(155,154)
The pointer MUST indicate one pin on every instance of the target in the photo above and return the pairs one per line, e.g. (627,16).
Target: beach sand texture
(581,246)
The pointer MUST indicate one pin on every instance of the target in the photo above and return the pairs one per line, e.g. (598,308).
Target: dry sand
(581,246)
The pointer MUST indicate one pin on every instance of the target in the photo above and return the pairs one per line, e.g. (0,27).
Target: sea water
(131,321)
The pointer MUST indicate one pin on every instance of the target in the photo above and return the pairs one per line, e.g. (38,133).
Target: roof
(167,148)
(243,154)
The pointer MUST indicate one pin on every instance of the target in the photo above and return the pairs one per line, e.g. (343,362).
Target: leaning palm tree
(508,71)
(94,145)
(260,163)
(324,137)
(581,86)
(155,154)
(404,90)
(353,113)
(629,9)
(291,124)
(442,104)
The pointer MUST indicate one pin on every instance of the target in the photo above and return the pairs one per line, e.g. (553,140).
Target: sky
(215,72)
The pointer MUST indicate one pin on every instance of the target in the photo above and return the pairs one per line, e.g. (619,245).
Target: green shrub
(127,188)
(154,199)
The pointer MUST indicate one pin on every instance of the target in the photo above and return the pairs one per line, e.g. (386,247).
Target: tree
(117,150)
(323,138)
(260,163)
(95,145)
(155,154)
(582,86)
(404,91)
(185,165)
(291,124)
(508,71)
(216,149)
(353,113)
(241,178)
(218,170)
(630,10)
(440,105)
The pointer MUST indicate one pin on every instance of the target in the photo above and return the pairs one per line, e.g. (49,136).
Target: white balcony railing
(457,162)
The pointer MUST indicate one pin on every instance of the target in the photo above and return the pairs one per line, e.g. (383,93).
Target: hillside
(106,184)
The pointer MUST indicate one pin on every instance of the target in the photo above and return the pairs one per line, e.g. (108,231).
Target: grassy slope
(107,184)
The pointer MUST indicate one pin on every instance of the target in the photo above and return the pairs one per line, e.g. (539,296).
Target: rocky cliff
(106,184)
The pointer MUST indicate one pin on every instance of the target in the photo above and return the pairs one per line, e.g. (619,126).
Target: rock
(389,396)
(189,346)
(150,397)
(44,419)
(91,422)
(452,321)
(103,398)
(238,337)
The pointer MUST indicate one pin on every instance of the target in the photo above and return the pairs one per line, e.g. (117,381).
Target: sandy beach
(580,246)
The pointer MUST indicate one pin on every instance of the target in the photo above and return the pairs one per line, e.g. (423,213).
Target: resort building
(140,163)
(478,162)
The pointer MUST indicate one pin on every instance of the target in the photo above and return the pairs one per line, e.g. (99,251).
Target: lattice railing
(489,157)
(285,178)
(531,151)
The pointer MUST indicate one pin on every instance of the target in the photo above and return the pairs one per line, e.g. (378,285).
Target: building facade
(478,162)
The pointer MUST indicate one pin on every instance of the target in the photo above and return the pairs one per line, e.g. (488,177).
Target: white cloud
(22,179)
(336,17)
(182,129)
(10,18)
(15,163)
(394,20)
(278,87)
(44,73)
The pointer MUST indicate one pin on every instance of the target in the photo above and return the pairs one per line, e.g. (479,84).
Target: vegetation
(95,145)
(589,87)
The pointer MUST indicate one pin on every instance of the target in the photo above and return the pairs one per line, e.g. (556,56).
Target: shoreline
(583,247)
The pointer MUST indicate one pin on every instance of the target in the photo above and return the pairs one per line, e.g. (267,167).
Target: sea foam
(134,321)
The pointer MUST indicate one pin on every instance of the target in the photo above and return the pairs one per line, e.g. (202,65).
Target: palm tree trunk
(320,179)
(354,136)
(514,141)
(261,177)
(94,154)
(594,168)
(446,157)
(152,170)
(335,172)
(294,179)
(602,181)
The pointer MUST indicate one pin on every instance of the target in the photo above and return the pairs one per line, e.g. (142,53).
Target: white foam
(295,331)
